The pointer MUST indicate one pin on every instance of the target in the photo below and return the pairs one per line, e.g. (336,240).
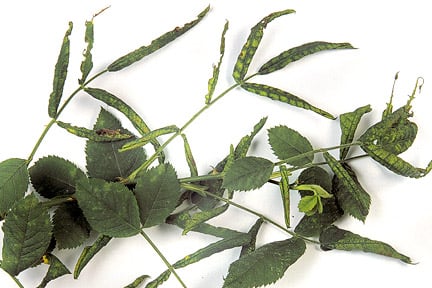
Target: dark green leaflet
(351,196)
(89,252)
(283,96)
(336,238)
(298,53)
(349,123)
(121,106)
(87,63)
(101,135)
(249,48)
(14,180)
(216,68)
(155,45)
(60,74)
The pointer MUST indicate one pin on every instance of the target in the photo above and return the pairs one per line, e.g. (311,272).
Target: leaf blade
(101,135)
(89,252)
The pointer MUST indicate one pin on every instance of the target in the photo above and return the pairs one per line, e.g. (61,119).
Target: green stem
(53,120)
(168,265)
(15,279)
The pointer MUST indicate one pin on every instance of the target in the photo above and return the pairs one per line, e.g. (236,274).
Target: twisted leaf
(155,45)
(149,137)
(336,238)
(265,265)
(27,235)
(253,233)
(298,53)
(249,48)
(89,252)
(87,63)
(14,180)
(201,217)
(110,208)
(285,194)
(56,269)
(137,282)
(189,157)
(60,73)
(283,96)
(101,135)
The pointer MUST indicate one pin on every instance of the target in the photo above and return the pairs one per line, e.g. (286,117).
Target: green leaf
(54,176)
(308,204)
(283,96)
(149,137)
(89,252)
(265,265)
(349,123)
(60,73)
(101,135)
(155,45)
(71,228)
(298,53)
(124,108)
(244,144)
(110,208)
(201,217)
(248,173)
(249,48)
(157,192)
(159,280)
(189,157)
(351,196)
(56,269)
(212,82)
(288,143)
(137,282)
(14,180)
(336,238)
(284,187)
(104,161)
(87,63)
(27,235)
(253,233)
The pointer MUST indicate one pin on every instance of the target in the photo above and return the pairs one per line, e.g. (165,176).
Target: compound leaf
(110,208)
(157,192)
(53,176)
(298,53)
(265,265)
(288,143)
(248,173)
(60,73)
(155,45)
(283,96)
(27,235)
(14,180)
(336,238)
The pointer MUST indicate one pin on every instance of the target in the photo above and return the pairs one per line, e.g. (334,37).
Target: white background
(168,87)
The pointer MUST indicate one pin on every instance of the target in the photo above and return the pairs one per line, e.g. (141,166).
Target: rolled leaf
(349,123)
(14,180)
(285,194)
(56,269)
(249,48)
(138,281)
(351,196)
(265,265)
(101,135)
(248,173)
(110,208)
(336,238)
(283,96)
(189,157)
(60,73)
(201,217)
(87,63)
(155,45)
(298,53)
(89,252)
(287,143)
(149,137)
(27,235)
(253,233)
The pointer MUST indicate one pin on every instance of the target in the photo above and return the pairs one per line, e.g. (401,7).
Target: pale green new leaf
(56,269)
(157,192)
(155,45)
(249,48)
(283,96)
(351,196)
(27,234)
(336,238)
(248,173)
(87,63)
(287,143)
(53,176)
(109,207)
(349,123)
(101,135)
(265,265)
(60,73)
(89,252)
(298,53)
(14,180)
